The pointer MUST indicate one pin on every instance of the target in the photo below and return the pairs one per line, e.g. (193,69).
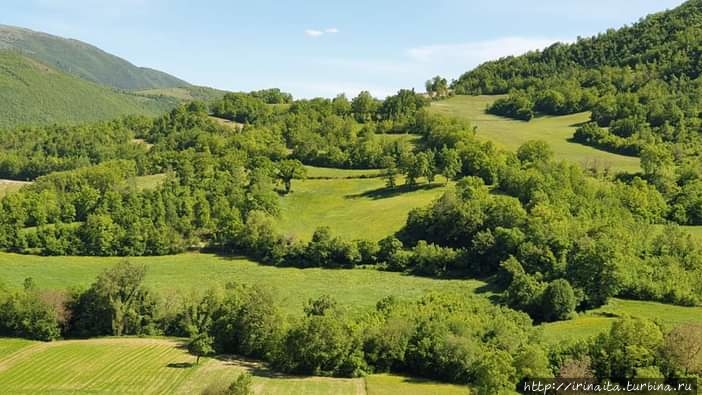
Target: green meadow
(555,130)
(357,289)
(352,208)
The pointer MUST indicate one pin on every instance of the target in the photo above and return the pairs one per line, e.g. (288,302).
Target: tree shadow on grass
(255,367)
(579,124)
(384,193)
(180,365)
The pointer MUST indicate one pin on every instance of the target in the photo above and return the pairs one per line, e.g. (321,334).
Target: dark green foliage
(200,346)
(534,152)
(27,313)
(116,304)
(558,300)
(272,96)
(517,106)
(241,107)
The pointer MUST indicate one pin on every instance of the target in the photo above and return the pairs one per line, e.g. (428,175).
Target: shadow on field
(579,124)
(255,367)
(384,193)
(180,365)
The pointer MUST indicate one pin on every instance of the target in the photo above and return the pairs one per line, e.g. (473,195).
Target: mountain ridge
(85,60)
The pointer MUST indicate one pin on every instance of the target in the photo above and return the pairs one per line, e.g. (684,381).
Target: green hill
(32,93)
(84,60)
(640,83)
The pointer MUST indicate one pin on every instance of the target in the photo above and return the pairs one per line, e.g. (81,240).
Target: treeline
(32,152)
(444,336)
(337,132)
(211,179)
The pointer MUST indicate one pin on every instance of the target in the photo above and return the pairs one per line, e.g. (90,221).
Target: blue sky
(320,48)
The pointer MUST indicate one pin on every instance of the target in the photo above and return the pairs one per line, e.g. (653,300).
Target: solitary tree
(200,345)
(390,172)
(437,87)
(558,300)
(534,151)
(122,287)
(289,169)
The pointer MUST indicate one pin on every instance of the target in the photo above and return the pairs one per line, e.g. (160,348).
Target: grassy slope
(509,134)
(9,186)
(84,60)
(153,366)
(599,320)
(352,208)
(169,275)
(32,93)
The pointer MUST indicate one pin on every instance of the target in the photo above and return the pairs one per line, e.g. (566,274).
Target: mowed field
(555,130)
(355,289)
(162,366)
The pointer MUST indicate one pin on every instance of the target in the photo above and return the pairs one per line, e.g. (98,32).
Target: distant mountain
(32,93)
(84,60)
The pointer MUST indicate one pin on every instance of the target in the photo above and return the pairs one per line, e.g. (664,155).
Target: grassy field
(147,366)
(358,289)
(599,320)
(556,131)
(9,186)
(387,384)
(352,208)
(695,231)
(149,182)
(162,366)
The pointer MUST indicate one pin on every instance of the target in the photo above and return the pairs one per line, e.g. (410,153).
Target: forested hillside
(540,237)
(84,60)
(641,83)
(33,93)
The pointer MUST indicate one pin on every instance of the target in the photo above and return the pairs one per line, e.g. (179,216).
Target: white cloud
(318,33)
(471,54)
(313,33)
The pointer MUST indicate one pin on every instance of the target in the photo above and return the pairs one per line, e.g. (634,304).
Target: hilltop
(84,60)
